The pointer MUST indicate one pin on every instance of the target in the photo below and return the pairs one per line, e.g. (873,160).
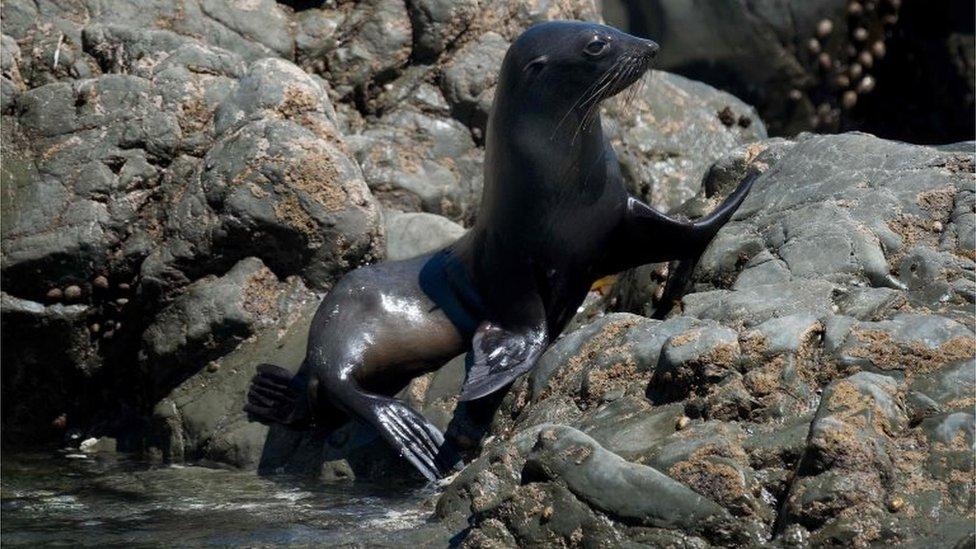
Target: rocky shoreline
(182,182)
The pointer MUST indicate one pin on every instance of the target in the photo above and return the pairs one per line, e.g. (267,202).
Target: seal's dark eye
(596,47)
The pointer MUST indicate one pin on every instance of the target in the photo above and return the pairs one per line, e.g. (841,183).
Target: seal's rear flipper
(500,356)
(415,438)
(276,396)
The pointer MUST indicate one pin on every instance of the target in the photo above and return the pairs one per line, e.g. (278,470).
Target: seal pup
(554,217)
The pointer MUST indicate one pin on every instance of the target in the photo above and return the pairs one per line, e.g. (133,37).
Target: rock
(914,344)
(469,80)
(372,41)
(592,483)
(808,74)
(437,24)
(415,162)
(668,135)
(103,445)
(792,334)
(63,363)
(609,483)
(72,293)
(213,316)
(413,234)
(697,357)
(272,88)
(203,417)
(599,363)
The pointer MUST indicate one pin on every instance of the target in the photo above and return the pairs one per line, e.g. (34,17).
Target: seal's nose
(652,48)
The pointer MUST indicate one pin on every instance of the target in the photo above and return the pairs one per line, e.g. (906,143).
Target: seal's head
(574,61)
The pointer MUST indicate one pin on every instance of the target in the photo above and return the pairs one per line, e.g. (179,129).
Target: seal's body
(554,217)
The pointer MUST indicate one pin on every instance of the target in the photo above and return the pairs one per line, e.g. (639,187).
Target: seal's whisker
(582,98)
(634,91)
(601,93)
(594,100)
(586,93)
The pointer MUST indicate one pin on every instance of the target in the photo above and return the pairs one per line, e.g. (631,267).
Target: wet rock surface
(182,183)
(823,400)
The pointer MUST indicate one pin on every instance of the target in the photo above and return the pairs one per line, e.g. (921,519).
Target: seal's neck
(536,143)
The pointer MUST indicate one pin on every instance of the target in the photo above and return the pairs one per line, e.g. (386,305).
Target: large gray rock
(412,234)
(123,187)
(668,135)
(212,316)
(417,162)
(834,213)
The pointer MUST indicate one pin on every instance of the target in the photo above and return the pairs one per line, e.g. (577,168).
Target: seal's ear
(533,67)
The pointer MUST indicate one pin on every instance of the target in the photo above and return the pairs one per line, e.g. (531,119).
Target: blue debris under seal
(446,283)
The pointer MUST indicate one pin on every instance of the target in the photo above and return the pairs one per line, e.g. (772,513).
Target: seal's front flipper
(501,355)
(649,236)
(276,396)
(414,438)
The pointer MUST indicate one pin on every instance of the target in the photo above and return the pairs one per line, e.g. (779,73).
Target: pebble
(865,59)
(813,45)
(796,95)
(896,504)
(866,85)
(825,61)
(100,282)
(849,99)
(213,367)
(72,292)
(878,49)
(855,8)
(124,286)
(682,423)
(54,294)
(842,81)
(860,34)
(87,444)
(825,27)
(856,71)
(937,226)
(122,301)
(95,328)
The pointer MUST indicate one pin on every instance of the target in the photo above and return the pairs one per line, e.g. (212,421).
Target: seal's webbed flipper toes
(500,356)
(276,396)
(416,439)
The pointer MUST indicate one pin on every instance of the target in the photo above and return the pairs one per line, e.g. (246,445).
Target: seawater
(72,500)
